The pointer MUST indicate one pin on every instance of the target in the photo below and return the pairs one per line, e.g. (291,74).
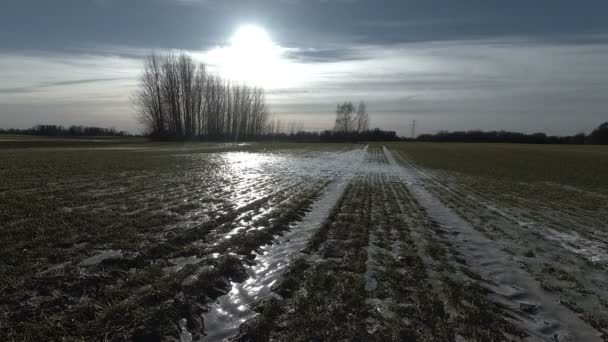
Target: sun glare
(250,38)
(254,58)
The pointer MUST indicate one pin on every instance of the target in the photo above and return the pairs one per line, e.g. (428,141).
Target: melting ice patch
(230,311)
(99,258)
(592,250)
(595,251)
(508,279)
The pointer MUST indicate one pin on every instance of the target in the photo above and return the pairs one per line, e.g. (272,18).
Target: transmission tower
(413,129)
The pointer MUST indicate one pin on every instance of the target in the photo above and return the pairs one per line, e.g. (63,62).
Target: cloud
(67,89)
(343,53)
(508,83)
(513,83)
(34,88)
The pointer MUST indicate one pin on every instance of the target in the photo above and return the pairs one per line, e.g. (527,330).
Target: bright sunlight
(254,58)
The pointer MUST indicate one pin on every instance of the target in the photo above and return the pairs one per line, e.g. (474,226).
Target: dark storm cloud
(196,25)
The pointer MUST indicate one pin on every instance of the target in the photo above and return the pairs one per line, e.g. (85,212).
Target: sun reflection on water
(274,177)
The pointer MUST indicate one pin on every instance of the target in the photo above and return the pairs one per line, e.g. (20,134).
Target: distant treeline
(61,131)
(598,136)
(352,125)
(332,136)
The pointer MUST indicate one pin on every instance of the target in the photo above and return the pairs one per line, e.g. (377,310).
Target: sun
(252,39)
(252,57)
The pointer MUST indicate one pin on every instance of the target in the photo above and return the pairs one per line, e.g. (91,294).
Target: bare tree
(170,91)
(362,119)
(148,97)
(200,87)
(344,118)
(178,98)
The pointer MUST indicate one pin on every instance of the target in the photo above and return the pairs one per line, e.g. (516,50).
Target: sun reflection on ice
(247,171)
(281,171)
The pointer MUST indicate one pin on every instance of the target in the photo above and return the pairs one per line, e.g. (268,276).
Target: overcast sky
(520,65)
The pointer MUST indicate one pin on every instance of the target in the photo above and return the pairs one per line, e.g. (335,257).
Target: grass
(63,200)
(583,166)
(520,195)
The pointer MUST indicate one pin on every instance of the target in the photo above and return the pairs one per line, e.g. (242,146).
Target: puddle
(225,316)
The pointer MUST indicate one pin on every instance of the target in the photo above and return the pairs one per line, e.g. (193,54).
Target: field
(122,239)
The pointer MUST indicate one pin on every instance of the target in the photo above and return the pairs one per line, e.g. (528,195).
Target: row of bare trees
(178,98)
(350,121)
(277,126)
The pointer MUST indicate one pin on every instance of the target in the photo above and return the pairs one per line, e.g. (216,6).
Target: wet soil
(324,243)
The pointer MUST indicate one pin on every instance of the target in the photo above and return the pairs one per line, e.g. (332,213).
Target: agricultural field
(126,240)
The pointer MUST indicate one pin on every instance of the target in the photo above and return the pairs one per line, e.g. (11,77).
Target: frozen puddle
(513,285)
(224,317)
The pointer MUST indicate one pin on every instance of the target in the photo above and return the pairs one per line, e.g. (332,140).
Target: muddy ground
(258,242)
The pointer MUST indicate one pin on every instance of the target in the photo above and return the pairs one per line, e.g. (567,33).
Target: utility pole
(413,129)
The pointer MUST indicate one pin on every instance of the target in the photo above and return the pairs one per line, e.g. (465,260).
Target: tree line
(61,131)
(598,136)
(181,99)
(331,136)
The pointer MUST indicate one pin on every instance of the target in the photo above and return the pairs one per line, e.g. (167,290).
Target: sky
(517,65)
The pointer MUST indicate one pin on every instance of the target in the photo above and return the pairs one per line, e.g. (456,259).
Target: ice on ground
(509,280)
(99,258)
(180,263)
(594,251)
(223,319)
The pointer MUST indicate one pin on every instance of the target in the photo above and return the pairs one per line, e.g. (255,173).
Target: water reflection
(251,175)
(230,311)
